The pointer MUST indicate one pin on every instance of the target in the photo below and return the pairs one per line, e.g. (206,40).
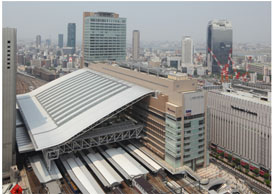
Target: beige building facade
(174,119)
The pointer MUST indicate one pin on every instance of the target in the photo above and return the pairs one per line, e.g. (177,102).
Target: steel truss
(95,138)
(82,141)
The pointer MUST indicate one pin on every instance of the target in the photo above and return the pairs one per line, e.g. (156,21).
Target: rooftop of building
(220,23)
(246,95)
(61,109)
(101,14)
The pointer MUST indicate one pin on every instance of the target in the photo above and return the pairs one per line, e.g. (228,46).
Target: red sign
(16,190)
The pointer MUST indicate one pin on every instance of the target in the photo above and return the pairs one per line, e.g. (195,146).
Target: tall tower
(38,41)
(104,37)
(219,41)
(71,36)
(9,47)
(187,50)
(60,40)
(135,44)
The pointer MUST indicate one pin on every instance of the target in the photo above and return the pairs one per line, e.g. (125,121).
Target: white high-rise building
(135,45)
(9,46)
(187,50)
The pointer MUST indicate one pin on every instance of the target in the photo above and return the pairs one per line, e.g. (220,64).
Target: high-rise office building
(219,41)
(187,50)
(48,42)
(9,47)
(135,44)
(71,36)
(60,40)
(104,37)
(38,41)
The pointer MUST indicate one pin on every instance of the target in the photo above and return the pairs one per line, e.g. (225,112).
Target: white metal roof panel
(72,175)
(125,162)
(105,169)
(57,111)
(42,172)
(23,141)
(84,176)
(145,157)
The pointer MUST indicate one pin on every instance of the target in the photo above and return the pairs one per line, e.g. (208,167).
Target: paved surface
(253,184)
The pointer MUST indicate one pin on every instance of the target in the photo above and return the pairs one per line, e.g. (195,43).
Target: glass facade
(219,40)
(173,141)
(71,36)
(104,38)
(60,40)
(194,141)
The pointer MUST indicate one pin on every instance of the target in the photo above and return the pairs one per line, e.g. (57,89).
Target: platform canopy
(56,112)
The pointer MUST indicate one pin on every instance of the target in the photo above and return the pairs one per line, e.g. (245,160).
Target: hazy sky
(157,21)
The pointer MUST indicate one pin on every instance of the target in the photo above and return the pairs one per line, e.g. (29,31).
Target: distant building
(71,36)
(38,41)
(219,41)
(9,47)
(174,62)
(60,40)
(135,44)
(48,42)
(187,50)
(68,50)
(260,69)
(104,37)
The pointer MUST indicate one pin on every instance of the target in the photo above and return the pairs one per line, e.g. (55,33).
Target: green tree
(237,161)
(256,171)
(266,175)
(247,171)
(268,183)
(246,166)
(229,157)
(222,154)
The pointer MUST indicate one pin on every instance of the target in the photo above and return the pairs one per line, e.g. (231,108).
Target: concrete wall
(9,68)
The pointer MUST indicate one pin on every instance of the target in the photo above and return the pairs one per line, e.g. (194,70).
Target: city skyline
(247,18)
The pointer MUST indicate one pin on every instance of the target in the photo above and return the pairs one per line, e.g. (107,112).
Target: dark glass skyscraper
(71,35)
(219,40)
(60,40)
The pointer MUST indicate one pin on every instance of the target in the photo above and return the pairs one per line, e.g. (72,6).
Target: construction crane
(224,69)
(237,74)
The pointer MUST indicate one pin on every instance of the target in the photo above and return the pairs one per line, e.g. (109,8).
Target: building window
(201,122)
(8,55)
(8,67)
(187,150)
(8,41)
(186,138)
(186,144)
(200,140)
(187,125)
(8,51)
(200,152)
